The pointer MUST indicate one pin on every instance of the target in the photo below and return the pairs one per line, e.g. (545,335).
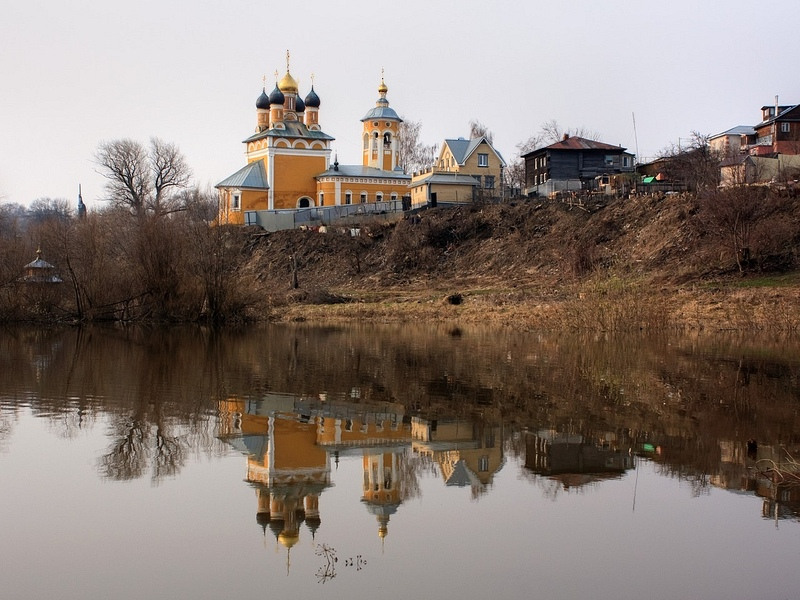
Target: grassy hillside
(635,263)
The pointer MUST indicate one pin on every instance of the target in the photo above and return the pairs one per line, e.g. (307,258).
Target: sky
(76,74)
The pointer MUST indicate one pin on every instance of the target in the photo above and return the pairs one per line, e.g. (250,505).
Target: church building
(289,158)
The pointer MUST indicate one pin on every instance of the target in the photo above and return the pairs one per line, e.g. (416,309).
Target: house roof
(738,130)
(252,176)
(293,129)
(361,171)
(445,179)
(462,149)
(578,143)
(785,113)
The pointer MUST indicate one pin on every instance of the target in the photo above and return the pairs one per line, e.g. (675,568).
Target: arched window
(379,197)
(305,202)
(387,139)
(363,197)
(348,197)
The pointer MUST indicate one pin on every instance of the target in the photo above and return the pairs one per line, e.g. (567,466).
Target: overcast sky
(75,74)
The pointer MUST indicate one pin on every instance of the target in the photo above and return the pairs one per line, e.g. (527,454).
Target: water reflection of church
(290,442)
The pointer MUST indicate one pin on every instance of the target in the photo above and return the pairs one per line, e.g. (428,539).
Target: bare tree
(43,209)
(694,163)
(551,132)
(413,154)
(144,180)
(732,215)
(478,129)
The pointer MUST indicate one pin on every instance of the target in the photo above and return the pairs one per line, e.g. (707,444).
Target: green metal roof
(252,176)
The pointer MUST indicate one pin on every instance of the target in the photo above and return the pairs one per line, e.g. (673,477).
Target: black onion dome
(263,100)
(299,105)
(312,99)
(276,96)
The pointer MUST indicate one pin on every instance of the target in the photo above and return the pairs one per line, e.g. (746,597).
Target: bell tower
(380,133)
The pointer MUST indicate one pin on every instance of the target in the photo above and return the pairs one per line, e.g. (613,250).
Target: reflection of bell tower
(381,487)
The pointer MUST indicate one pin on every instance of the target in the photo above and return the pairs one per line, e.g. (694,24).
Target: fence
(276,220)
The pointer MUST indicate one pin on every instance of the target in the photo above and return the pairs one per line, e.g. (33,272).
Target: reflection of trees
(161,388)
(7,418)
(139,444)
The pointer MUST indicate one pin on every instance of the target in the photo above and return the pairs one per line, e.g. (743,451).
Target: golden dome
(287,84)
(382,89)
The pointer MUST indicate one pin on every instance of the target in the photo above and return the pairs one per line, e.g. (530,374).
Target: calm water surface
(397,462)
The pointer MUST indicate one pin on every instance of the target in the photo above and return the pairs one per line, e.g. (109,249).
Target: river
(397,461)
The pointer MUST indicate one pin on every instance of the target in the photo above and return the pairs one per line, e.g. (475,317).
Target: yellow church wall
(294,178)
(356,186)
(328,190)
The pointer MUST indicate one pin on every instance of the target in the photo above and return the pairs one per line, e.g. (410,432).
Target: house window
(478,179)
(348,197)
(321,199)
(236,201)
(625,161)
(379,197)
(363,197)
(483,160)
(488,182)
(609,159)
(786,127)
(393,196)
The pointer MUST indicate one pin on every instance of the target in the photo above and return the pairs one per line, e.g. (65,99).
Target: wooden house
(574,163)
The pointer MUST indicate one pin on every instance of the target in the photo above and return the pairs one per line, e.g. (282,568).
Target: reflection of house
(465,171)
(563,455)
(574,163)
(469,453)
(766,470)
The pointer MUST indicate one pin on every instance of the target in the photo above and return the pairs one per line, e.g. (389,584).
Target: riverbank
(603,305)
(729,261)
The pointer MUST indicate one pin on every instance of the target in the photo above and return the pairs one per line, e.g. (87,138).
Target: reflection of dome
(288,540)
(276,96)
(382,512)
(383,527)
(263,100)
(288,85)
(262,519)
(313,524)
(276,526)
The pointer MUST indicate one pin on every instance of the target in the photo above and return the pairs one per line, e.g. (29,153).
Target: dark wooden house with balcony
(573,164)
(778,132)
